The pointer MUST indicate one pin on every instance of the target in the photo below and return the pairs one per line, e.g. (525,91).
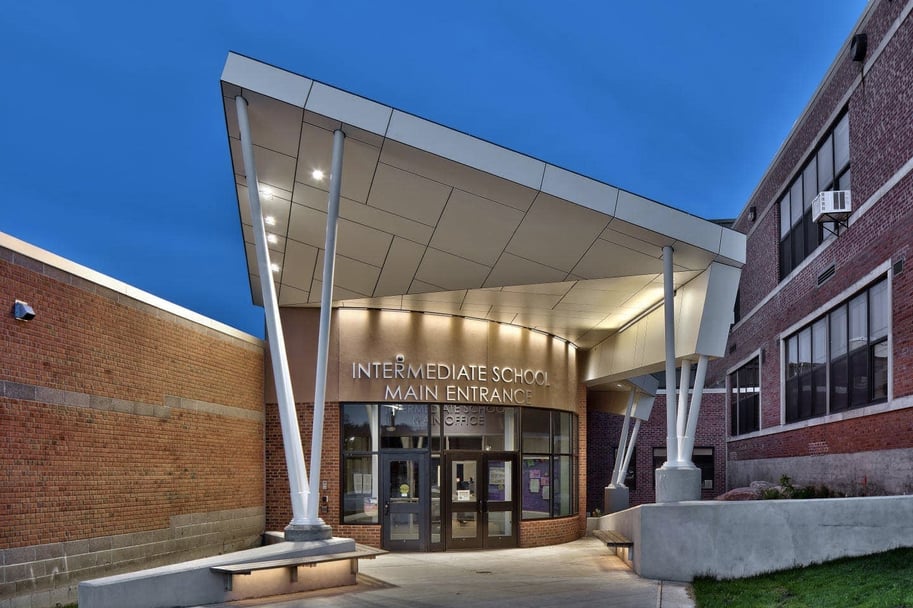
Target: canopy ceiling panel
(434,220)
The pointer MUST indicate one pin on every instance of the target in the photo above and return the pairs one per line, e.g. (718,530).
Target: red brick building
(132,430)
(818,364)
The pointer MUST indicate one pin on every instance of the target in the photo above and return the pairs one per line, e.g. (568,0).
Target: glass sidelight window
(548,475)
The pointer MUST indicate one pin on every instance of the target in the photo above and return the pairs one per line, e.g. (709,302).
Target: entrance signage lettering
(449,382)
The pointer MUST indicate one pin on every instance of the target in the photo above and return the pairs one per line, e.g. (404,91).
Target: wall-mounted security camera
(22,311)
(400,358)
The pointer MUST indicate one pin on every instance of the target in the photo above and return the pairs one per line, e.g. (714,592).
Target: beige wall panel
(301,328)
(470,361)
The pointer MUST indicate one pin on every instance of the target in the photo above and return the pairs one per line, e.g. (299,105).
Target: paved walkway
(574,575)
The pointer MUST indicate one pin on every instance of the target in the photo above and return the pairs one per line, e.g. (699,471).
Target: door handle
(386,508)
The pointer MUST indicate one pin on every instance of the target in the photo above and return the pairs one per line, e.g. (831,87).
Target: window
(840,361)
(827,169)
(547,438)
(745,398)
(702,459)
(549,463)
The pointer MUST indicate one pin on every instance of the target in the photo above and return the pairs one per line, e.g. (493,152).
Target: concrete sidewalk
(579,574)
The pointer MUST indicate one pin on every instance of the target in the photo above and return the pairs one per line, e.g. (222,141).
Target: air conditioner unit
(832,206)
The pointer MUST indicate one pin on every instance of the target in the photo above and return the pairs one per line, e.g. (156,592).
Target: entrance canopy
(434,220)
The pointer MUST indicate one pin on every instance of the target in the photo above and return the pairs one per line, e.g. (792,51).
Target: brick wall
(881,146)
(120,418)
(604,431)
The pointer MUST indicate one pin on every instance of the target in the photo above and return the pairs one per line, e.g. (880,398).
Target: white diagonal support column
(618,479)
(683,384)
(629,453)
(288,418)
(669,318)
(323,340)
(687,448)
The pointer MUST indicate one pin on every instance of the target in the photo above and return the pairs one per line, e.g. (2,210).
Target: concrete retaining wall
(854,474)
(192,583)
(48,575)
(738,539)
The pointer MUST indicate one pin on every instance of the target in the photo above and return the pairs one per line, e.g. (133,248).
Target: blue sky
(114,152)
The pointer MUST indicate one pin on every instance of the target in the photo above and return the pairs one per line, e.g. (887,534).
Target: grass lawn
(884,580)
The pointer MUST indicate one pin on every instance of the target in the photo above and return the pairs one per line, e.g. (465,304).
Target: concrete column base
(678,484)
(300,533)
(616,498)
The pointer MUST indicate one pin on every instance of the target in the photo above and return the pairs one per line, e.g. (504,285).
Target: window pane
(564,431)
(404,425)
(839,387)
(880,371)
(826,164)
(798,236)
(842,143)
(359,481)
(844,183)
(748,414)
(859,377)
(805,350)
(795,200)
(838,332)
(878,311)
(562,486)
(812,232)
(792,399)
(810,183)
(703,459)
(536,428)
(792,356)
(786,256)
(819,342)
(785,222)
(359,427)
(535,479)
(819,391)
(805,396)
(858,322)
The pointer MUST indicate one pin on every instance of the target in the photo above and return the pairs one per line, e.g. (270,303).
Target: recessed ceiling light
(267,194)
(317,174)
(272,238)
(270,220)
(275,267)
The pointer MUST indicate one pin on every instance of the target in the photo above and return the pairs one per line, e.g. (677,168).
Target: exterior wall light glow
(269,220)
(266,194)
(317,174)
(22,311)
(274,267)
(272,238)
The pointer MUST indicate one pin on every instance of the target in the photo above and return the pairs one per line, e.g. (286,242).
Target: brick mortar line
(53,396)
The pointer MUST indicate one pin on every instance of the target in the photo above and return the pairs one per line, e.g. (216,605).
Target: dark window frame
(803,236)
(745,398)
(849,374)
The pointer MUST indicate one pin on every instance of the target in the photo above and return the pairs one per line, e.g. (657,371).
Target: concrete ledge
(192,583)
(680,541)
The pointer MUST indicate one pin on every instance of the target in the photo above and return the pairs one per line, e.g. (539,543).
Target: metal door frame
(482,540)
(387,507)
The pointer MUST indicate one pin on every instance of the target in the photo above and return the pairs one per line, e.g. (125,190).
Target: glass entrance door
(482,505)
(405,502)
